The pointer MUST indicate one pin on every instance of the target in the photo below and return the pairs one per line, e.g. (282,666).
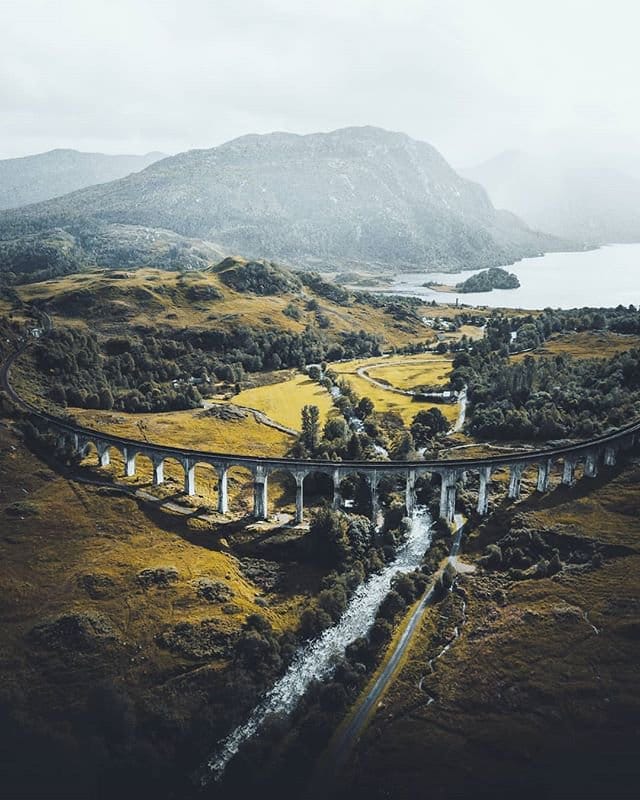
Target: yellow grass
(196,429)
(383,399)
(162,300)
(413,372)
(283,401)
(585,344)
(78,530)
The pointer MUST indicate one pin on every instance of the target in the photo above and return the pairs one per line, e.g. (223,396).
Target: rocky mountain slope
(351,197)
(588,205)
(32,179)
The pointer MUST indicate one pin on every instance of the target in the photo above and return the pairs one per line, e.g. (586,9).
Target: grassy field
(412,372)
(585,344)
(152,297)
(384,400)
(87,635)
(283,401)
(198,429)
(56,531)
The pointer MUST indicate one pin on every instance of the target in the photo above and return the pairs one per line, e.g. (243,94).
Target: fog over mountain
(592,204)
(353,196)
(32,179)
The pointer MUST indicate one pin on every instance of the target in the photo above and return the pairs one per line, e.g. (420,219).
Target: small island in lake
(489,279)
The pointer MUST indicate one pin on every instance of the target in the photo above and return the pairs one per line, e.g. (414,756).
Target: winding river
(317,660)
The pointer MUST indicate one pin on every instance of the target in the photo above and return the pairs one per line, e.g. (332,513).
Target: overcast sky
(473,77)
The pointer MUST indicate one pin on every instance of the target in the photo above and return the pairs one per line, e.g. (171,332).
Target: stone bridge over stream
(590,455)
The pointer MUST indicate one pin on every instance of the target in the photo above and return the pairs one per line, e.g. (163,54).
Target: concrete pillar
(299,476)
(568,472)
(610,456)
(189,477)
(76,442)
(260,493)
(410,492)
(103,455)
(158,470)
(448,496)
(544,475)
(337,499)
(129,462)
(223,490)
(483,493)
(591,464)
(373,479)
(514,481)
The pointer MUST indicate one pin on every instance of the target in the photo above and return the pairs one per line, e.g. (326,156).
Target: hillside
(55,251)
(32,179)
(588,205)
(235,293)
(357,196)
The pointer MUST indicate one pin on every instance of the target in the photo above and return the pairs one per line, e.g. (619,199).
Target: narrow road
(341,747)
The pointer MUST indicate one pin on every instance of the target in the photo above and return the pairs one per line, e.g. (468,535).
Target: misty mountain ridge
(594,205)
(355,196)
(33,179)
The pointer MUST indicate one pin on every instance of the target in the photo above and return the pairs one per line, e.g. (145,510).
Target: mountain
(356,196)
(35,178)
(590,205)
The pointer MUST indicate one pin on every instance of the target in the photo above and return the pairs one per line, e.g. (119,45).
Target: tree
(427,424)
(404,449)
(310,426)
(365,407)
(335,429)
(329,537)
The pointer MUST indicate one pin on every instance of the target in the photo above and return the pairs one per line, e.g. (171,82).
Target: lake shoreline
(562,280)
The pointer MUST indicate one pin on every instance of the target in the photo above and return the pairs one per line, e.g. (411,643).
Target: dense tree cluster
(428,424)
(489,279)
(548,397)
(260,278)
(159,371)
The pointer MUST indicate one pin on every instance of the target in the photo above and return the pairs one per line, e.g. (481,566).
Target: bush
(313,621)
(405,586)
(333,697)
(392,605)
(380,633)
(333,601)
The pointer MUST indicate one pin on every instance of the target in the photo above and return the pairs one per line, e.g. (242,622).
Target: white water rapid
(317,660)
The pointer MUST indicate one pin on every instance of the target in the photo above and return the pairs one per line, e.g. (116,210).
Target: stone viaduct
(590,455)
